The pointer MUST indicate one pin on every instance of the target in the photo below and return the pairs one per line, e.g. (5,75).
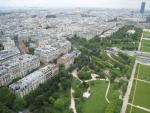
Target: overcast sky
(74,3)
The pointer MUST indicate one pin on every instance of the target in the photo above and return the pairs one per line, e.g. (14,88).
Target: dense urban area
(80,60)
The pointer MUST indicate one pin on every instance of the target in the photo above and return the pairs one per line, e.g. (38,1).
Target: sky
(133,4)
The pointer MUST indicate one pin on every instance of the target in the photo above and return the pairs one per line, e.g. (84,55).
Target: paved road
(126,97)
(136,53)
(143,60)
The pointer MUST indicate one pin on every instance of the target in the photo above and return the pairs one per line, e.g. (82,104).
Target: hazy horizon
(130,4)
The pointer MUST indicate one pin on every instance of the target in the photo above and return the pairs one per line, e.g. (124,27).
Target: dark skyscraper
(142,7)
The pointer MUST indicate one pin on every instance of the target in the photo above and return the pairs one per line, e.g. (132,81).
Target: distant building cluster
(23,74)
(34,79)
(38,24)
(45,33)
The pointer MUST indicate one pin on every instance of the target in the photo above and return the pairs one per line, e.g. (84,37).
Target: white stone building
(9,44)
(68,59)
(17,68)
(10,49)
(6,54)
(29,83)
(48,51)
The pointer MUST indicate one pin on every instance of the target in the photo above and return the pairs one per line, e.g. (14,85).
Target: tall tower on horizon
(142,7)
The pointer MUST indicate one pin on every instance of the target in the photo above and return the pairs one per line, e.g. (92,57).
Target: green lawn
(146,34)
(144,72)
(146,43)
(146,46)
(135,110)
(146,49)
(96,103)
(142,94)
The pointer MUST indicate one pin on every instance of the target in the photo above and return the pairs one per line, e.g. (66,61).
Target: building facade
(47,52)
(142,7)
(17,68)
(9,49)
(68,59)
(29,83)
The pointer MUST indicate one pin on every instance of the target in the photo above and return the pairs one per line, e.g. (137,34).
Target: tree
(19,104)
(84,75)
(5,109)
(114,103)
(51,100)
(59,103)
(78,93)
(39,101)
(6,97)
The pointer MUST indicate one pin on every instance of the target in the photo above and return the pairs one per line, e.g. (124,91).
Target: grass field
(140,90)
(145,46)
(142,95)
(135,110)
(144,72)
(96,103)
(146,34)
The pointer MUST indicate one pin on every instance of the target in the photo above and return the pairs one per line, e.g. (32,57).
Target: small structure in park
(87,94)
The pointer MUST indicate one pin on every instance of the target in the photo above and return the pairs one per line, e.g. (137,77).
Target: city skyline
(134,4)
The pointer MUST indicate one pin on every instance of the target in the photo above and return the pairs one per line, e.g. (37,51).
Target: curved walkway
(106,94)
(75,75)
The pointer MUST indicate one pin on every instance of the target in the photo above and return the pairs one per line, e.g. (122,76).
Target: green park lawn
(146,35)
(146,43)
(96,103)
(135,110)
(144,72)
(146,46)
(142,93)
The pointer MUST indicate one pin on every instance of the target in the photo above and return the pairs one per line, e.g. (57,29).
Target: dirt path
(139,107)
(142,80)
(146,38)
(72,105)
(75,75)
(106,94)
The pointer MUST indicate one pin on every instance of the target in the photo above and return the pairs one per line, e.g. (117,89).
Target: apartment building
(6,54)
(17,68)
(68,59)
(10,50)
(47,52)
(29,83)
